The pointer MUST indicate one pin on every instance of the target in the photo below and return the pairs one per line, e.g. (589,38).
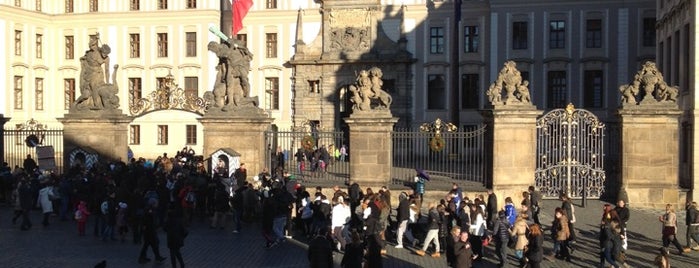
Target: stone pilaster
(244,134)
(370,147)
(513,149)
(107,135)
(650,155)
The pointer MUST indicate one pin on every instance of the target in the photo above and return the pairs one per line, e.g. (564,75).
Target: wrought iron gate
(570,153)
(26,138)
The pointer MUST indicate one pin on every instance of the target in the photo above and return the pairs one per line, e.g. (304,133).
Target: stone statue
(231,89)
(368,87)
(516,90)
(95,91)
(648,82)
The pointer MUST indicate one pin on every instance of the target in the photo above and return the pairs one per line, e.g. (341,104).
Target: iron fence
(20,143)
(311,147)
(462,158)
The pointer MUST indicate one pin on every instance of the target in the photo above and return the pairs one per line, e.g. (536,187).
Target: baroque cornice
(20,64)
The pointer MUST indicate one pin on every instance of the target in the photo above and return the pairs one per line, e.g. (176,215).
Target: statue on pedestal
(95,91)
(231,90)
(649,86)
(516,90)
(368,87)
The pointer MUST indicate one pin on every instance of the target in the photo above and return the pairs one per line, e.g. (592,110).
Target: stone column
(244,134)
(3,120)
(650,152)
(513,149)
(371,147)
(106,134)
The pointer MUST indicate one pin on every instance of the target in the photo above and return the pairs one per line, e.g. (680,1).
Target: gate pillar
(3,120)
(513,150)
(371,147)
(650,152)
(244,134)
(106,134)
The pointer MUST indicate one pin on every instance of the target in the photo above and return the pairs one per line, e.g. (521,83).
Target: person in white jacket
(341,215)
(45,202)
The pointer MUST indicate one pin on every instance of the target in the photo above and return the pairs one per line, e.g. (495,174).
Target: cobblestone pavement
(59,246)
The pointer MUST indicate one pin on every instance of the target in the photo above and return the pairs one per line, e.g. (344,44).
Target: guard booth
(223,162)
(86,157)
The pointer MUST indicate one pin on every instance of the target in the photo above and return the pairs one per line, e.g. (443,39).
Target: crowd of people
(135,200)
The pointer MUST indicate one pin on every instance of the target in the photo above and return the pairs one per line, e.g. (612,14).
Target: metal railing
(18,145)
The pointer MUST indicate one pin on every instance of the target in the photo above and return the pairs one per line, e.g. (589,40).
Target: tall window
(162,134)
(69,6)
(470,39)
(135,134)
(436,40)
(314,86)
(18,43)
(594,93)
(162,44)
(469,91)
(18,3)
(68,92)
(556,89)
(243,38)
(134,5)
(70,47)
(94,6)
(135,90)
(271,4)
(135,45)
(593,38)
(191,4)
(18,93)
(162,4)
(191,134)
(436,92)
(39,46)
(191,86)
(159,82)
(557,34)
(649,32)
(38,5)
(191,38)
(272,93)
(271,45)
(39,93)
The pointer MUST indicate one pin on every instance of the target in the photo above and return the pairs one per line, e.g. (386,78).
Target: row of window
(134,5)
(520,35)
(556,90)
(135,44)
(162,135)
(191,89)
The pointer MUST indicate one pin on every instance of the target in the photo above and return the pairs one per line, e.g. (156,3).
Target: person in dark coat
(462,252)
(501,235)
(491,207)
(535,201)
(320,250)
(176,233)
(26,201)
(373,252)
(535,249)
(354,253)
(150,237)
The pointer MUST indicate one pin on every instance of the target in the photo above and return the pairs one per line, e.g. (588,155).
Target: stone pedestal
(370,147)
(107,135)
(513,131)
(650,155)
(3,120)
(244,134)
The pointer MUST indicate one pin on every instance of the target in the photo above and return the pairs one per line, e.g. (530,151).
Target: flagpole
(454,99)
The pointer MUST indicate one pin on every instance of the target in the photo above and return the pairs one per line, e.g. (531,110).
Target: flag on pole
(239,8)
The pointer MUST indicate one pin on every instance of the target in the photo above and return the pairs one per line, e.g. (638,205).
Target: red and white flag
(240,9)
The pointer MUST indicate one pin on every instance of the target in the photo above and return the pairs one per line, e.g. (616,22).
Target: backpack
(190,197)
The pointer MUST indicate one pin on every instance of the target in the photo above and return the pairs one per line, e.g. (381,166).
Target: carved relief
(516,91)
(649,86)
(355,17)
(349,39)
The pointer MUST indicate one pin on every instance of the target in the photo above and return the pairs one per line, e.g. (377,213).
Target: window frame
(272,93)
(520,35)
(162,5)
(94,6)
(555,88)
(437,41)
(162,45)
(70,47)
(271,4)
(433,103)
(18,43)
(39,93)
(593,33)
(18,92)
(69,6)
(557,34)
(471,39)
(190,134)
(134,5)
(191,44)
(135,90)
(470,86)
(68,92)
(191,4)
(163,135)
(134,134)
(593,88)
(190,89)
(134,45)
(649,34)
(271,42)
(39,46)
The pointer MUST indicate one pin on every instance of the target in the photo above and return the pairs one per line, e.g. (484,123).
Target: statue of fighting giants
(96,93)
(368,87)
(231,89)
